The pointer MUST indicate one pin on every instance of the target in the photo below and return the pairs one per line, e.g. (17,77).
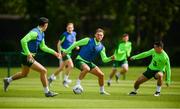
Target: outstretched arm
(104,57)
(44,48)
(142,55)
(78,43)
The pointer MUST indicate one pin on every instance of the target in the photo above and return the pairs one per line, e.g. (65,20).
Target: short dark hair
(159,44)
(42,21)
(125,34)
(99,30)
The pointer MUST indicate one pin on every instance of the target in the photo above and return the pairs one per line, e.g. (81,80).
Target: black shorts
(150,73)
(25,62)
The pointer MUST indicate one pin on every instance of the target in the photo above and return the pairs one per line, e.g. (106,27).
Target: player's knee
(125,70)
(160,75)
(44,71)
(87,69)
(101,75)
(114,70)
(71,66)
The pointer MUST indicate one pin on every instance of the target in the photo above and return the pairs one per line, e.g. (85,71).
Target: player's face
(157,49)
(99,36)
(70,28)
(44,27)
(126,38)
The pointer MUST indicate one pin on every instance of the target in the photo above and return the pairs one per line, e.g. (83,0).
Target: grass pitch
(28,92)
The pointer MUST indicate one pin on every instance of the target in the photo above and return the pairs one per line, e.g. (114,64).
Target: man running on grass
(159,65)
(30,45)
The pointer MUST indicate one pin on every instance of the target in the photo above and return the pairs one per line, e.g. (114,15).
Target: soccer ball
(78,89)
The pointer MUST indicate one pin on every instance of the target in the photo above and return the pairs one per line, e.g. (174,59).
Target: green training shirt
(32,35)
(123,51)
(84,42)
(159,62)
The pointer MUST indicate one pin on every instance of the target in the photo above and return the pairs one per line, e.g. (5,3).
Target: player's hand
(58,55)
(30,58)
(112,57)
(130,59)
(77,48)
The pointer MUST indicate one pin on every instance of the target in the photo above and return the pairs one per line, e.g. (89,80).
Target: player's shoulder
(165,54)
(129,42)
(65,33)
(33,32)
(74,32)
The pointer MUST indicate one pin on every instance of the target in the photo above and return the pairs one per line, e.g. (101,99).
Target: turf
(28,92)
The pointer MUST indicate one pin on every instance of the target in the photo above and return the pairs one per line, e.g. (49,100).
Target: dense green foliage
(145,20)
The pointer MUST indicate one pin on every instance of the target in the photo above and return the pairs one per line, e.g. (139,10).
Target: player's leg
(69,65)
(159,77)
(84,70)
(57,72)
(24,72)
(43,77)
(96,71)
(124,70)
(138,82)
(114,70)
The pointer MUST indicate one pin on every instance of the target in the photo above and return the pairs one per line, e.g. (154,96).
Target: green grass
(28,92)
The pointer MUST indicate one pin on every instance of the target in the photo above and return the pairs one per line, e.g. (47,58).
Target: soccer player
(30,45)
(122,52)
(65,40)
(91,48)
(159,65)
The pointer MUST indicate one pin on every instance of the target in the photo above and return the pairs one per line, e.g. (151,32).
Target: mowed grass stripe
(28,93)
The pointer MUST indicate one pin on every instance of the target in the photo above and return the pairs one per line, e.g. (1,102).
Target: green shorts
(78,64)
(150,73)
(25,62)
(119,63)
(68,56)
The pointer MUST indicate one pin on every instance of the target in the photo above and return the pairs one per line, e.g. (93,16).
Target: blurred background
(145,21)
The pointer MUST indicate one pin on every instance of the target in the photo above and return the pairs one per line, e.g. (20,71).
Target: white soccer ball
(78,89)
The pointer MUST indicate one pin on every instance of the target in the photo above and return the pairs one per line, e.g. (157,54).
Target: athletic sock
(109,81)
(118,74)
(53,77)
(66,77)
(78,82)
(101,88)
(135,90)
(158,89)
(9,79)
(46,89)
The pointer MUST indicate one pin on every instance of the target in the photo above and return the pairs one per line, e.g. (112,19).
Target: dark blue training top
(70,38)
(91,50)
(33,45)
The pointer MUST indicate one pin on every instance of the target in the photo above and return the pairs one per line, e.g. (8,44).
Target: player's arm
(129,50)
(104,57)
(168,72)
(24,41)
(61,40)
(46,49)
(142,55)
(78,43)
